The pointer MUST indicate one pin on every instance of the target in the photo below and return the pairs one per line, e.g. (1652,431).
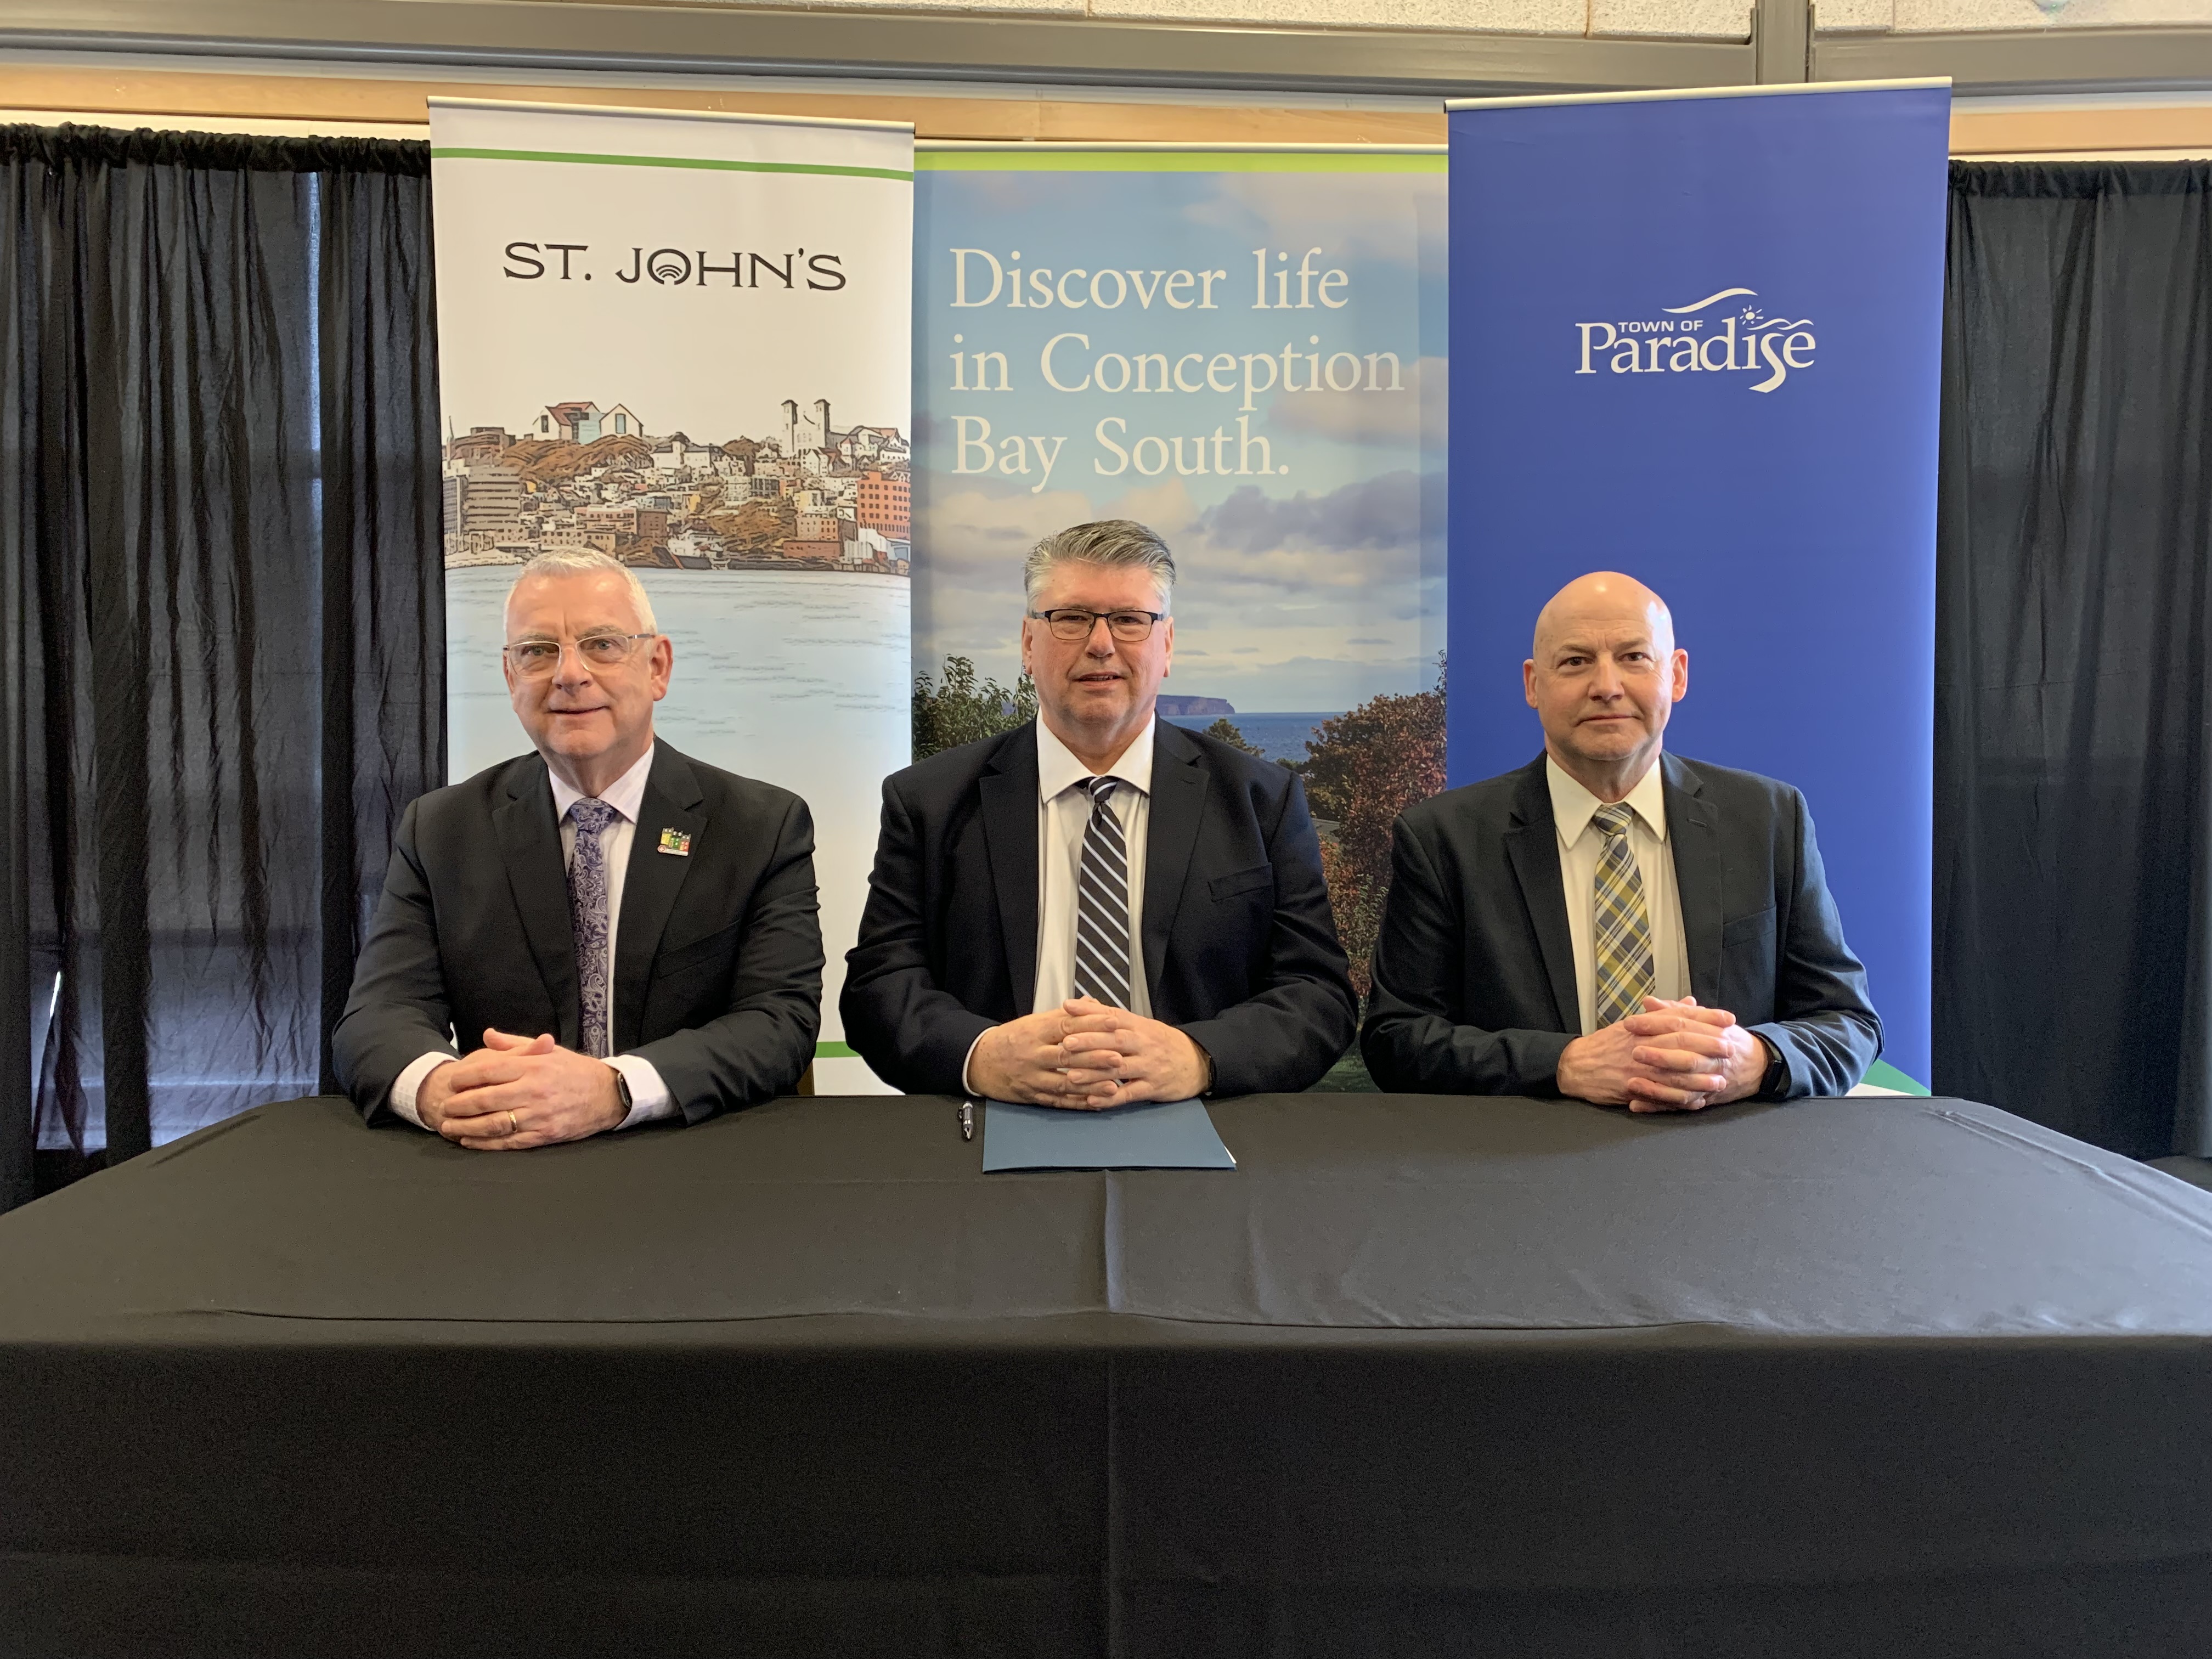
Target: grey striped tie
(1102,908)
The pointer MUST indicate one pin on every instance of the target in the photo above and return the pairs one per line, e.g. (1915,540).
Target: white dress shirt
(648,1095)
(1572,807)
(1063,811)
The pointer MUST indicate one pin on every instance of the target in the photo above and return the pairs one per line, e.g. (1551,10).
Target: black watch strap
(1777,1073)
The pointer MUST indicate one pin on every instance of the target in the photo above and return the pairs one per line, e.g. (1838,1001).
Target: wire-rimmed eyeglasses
(533,659)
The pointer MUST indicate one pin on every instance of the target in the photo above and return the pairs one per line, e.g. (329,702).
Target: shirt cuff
(648,1095)
(408,1084)
(967,1087)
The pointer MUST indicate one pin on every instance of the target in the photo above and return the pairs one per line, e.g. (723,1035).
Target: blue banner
(1698,339)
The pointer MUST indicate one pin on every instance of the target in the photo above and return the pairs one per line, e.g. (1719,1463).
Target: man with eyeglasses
(1100,908)
(598,934)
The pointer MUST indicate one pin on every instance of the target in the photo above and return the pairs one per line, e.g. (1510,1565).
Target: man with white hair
(1099,908)
(599,934)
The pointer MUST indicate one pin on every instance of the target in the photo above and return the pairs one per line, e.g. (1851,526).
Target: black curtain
(221,673)
(221,644)
(2073,961)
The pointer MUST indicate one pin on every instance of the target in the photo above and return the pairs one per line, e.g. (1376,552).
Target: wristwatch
(622,1089)
(1778,1071)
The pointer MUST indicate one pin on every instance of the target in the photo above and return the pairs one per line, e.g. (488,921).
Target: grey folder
(1169,1134)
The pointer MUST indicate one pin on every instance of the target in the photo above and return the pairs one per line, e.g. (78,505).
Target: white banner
(685,339)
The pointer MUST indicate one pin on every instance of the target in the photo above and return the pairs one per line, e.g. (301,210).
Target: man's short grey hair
(1107,542)
(587,562)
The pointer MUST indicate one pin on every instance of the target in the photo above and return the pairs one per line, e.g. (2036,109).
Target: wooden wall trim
(125,91)
(2122,128)
(952,115)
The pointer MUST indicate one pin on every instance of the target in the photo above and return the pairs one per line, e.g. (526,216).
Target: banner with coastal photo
(685,339)
(1245,349)
(1711,327)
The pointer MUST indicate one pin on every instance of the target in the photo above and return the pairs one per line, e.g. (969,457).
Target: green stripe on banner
(579,159)
(1127,161)
(1883,1075)
(844,1051)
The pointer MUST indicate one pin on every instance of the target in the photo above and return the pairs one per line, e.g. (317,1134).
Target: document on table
(1168,1135)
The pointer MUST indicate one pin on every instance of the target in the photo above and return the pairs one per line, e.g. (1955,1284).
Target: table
(1423,1375)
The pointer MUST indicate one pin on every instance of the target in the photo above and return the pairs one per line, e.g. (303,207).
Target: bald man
(1612,922)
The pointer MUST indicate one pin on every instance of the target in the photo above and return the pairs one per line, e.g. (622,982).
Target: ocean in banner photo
(1279,735)
(771,643)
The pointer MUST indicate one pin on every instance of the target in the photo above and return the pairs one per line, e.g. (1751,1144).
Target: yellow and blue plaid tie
(1620,931)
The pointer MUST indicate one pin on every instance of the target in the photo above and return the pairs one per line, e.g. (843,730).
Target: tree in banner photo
(1245,350)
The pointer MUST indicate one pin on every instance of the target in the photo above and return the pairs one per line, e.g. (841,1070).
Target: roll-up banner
(1700,342)
(685,340)
(1243,348)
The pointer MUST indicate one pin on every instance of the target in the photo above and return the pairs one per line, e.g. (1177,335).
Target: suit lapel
(1009,791)
(1179,776)
(1694,832)
(530,848)
(650,882)
(1532,845)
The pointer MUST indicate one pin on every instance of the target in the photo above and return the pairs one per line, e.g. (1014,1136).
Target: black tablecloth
(1423,1375)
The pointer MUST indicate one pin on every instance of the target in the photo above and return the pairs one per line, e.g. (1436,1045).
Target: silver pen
(967,1120)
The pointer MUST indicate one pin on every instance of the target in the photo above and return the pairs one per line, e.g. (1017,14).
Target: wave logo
(1742,340)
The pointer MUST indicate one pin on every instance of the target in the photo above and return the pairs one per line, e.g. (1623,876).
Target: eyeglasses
(1127,626)
(533,659)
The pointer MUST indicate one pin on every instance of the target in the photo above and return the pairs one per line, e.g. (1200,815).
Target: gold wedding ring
(512,1127)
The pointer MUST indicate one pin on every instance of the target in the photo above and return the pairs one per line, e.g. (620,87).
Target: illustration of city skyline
(808,496)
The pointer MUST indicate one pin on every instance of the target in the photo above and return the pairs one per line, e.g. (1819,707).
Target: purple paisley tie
(587,914)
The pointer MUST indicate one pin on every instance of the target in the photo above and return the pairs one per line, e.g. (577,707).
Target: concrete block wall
(1944,16)
(1706,19)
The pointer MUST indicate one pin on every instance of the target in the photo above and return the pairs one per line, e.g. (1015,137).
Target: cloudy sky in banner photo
(1312,588)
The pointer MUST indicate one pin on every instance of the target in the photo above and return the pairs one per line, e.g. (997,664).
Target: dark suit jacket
(718,955)
(1240,949)
(1475,974)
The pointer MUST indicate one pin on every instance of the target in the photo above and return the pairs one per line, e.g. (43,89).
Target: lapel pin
(676,841)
